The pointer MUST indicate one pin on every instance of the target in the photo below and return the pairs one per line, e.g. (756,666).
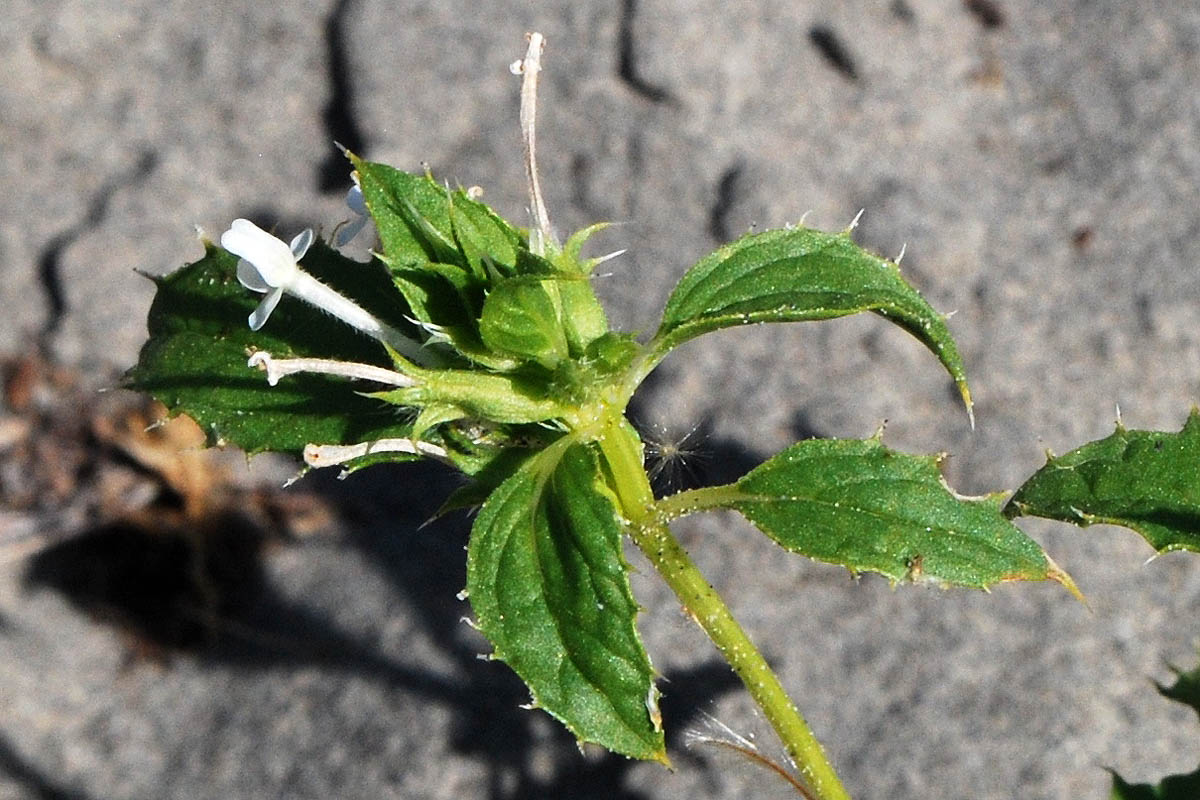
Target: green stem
(688,502)
(650,532)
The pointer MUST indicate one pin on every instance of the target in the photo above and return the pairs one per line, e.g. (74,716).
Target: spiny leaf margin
(859,504)
(550,589)
(1147,481)
(798,274)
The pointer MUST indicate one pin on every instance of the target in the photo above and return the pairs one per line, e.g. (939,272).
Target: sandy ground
(1039,162)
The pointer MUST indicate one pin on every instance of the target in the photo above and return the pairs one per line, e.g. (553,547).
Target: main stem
(652,535)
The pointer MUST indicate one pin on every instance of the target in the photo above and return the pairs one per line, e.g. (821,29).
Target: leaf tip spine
(157,280)
(1056,573)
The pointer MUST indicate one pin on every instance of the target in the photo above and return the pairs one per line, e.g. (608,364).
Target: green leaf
(583,317)
(411,213)
(870,509)
(1148,481)
(420,221)
(195,359)
(550,589)
(1186,690)
(483,236)
(441,294)
(450,300)
(522,320)
(535,266)
(800,274)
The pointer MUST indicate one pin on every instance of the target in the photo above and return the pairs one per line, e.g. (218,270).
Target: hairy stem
(692,501)
(650,532)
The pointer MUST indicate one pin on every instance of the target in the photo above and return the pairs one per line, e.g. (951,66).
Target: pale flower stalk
(277,368)
(328,455)
(269,266)
(541,234)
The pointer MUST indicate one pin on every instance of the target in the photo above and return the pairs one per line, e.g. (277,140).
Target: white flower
(269,266)
(357,204)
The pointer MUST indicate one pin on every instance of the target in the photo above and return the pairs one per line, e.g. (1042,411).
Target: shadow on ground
(203,588)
